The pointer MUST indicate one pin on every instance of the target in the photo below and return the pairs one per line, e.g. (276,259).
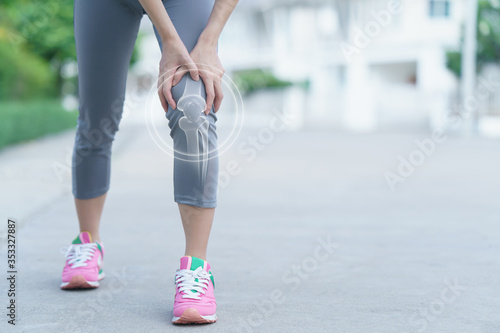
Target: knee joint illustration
(195,126)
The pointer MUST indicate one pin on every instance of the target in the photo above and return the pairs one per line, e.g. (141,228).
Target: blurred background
(363,65)
(405,58)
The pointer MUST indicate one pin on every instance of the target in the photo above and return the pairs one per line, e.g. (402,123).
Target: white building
(371,64)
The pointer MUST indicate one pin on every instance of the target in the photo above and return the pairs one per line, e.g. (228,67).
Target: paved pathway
(308,237)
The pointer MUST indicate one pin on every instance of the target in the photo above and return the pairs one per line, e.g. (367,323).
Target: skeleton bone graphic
(194,125)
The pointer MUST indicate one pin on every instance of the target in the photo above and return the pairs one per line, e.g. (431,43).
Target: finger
(163,101)
(218,95)
(209,88)
(167,91)
(193,71)
(178,75)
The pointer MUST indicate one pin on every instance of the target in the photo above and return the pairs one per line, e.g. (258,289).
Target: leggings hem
(196,203)
(91,195)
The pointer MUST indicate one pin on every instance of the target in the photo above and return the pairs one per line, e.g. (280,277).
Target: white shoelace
(185,280)
(77,255)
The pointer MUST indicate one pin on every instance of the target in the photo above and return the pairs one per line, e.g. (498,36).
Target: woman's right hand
(174,63)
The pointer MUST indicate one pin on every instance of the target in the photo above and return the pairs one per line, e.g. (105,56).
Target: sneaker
(84,261)
(194,297)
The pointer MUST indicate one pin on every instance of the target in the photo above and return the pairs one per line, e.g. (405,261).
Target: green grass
(21,121)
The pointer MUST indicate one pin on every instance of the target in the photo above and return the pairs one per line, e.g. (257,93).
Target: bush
(254,79)
(23,75)
(21,121)
(454,62)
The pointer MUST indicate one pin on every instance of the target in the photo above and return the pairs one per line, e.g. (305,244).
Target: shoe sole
(79,282)
(192,316)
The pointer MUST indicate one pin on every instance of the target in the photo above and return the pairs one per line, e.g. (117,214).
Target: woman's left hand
(211,72)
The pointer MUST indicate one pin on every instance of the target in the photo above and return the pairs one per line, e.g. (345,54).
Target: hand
(211,71)
(174,63)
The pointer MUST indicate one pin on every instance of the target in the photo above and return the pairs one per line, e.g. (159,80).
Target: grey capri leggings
(105,34)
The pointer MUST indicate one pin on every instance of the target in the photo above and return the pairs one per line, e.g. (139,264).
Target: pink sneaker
(194,298)
(84,261)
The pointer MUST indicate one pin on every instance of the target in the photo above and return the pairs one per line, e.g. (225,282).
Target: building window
(439,8)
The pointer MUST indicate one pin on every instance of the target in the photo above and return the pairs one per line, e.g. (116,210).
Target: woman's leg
(105,34)
(89,215)
(197,223)
(195,182)
(195,173)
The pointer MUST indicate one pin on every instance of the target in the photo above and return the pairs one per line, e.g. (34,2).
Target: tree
(43,29)
(488,38)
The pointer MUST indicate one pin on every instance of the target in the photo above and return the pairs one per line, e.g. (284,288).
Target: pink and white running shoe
(84,261)
(194,298)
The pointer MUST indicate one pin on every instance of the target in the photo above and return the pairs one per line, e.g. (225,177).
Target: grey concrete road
(308,236)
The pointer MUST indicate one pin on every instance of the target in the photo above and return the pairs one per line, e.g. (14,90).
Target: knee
(190,97)
(93,140)
(188,86)
(188,94)
(98,122)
